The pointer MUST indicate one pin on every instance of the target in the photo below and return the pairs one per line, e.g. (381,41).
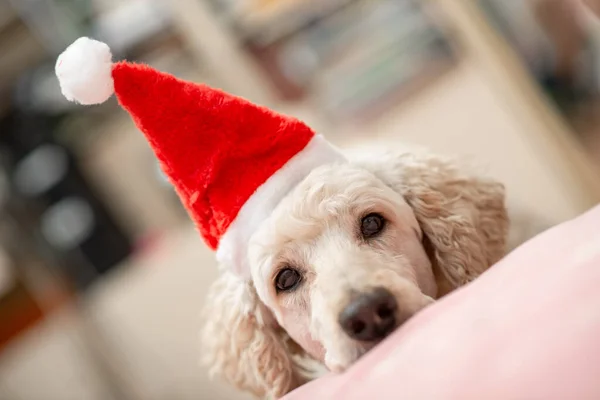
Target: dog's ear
(463,217)
(242,343)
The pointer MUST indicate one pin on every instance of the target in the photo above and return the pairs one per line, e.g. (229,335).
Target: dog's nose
(371,316)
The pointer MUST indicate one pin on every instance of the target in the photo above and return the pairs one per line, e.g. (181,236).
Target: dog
(349,255)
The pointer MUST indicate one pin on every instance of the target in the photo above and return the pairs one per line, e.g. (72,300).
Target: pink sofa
(529,328)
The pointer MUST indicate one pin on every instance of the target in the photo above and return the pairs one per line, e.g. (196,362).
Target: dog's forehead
(330,183)
(326,193)
(320,201)
(323,194)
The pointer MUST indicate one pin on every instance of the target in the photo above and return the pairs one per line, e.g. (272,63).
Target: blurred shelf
(547,130)
(269,21)
(216,47)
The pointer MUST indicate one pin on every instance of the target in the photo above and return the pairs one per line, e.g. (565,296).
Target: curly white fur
(445,228)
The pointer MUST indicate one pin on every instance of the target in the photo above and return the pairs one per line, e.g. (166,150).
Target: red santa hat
(230,161)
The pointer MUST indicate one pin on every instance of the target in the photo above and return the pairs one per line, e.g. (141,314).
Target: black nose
(371,316)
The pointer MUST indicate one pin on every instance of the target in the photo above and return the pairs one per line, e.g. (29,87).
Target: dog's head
(349,255)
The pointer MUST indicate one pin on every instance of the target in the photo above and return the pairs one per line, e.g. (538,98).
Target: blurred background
(102,275)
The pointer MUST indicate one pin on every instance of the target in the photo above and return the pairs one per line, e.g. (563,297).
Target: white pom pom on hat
(84,71)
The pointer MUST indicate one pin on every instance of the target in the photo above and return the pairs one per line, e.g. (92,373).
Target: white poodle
(350,254)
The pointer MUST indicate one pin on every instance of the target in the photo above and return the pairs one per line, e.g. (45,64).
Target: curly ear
(242,343)
(463,217)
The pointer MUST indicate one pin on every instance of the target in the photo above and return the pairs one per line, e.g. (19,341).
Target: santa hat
(230,161)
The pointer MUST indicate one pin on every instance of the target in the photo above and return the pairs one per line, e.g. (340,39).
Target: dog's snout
(371,316)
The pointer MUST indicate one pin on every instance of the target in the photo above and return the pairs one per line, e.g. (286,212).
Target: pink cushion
(529,328)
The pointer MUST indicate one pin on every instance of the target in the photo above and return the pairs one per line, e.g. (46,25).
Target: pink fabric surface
(529,328)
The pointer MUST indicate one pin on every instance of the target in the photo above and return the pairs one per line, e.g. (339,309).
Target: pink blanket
(529,328)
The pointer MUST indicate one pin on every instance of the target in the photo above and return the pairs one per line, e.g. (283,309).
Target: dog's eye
(371,225)
(287,279)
